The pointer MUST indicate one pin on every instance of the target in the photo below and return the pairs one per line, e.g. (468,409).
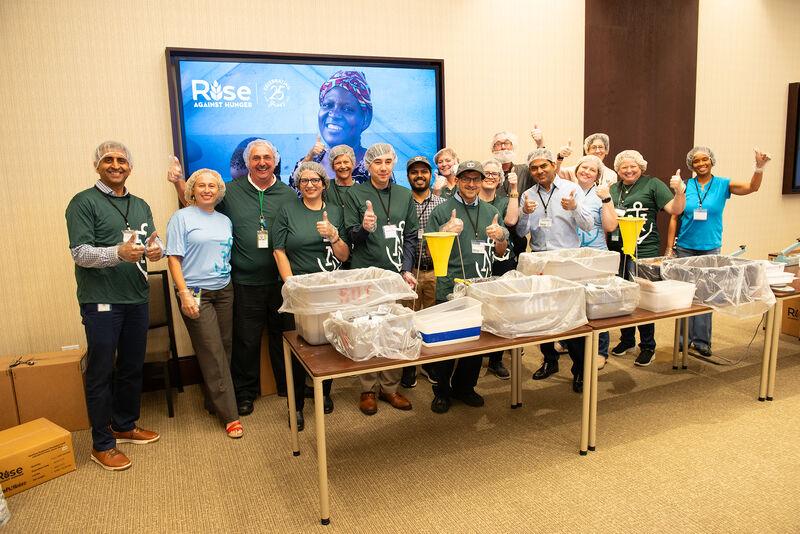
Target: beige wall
(748,53)
(78,72)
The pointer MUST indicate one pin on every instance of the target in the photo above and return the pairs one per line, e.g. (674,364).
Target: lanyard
(477,217)
(697,187)
(261,209)
(425,203)
(127,208)
(386,207)
(549,198)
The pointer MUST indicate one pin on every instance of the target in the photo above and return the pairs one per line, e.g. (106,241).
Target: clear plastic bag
(515,305)
(649,268)
(326,292)
(734,286)
(387,331)
(570,263)
(611,296)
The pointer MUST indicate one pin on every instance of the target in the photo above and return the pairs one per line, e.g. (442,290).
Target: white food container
(665,295)
(454,321)
(610,297)
(570,263)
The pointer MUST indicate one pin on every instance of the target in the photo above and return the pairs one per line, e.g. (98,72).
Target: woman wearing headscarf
(700,231)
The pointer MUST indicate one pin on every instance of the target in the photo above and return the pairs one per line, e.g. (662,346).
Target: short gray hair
(442,152)
(635,155)
(592,138)
(256,142)
(493,161)
(109,147)
(188,193)
(504,135)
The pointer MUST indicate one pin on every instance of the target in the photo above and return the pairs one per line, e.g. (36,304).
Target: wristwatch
(606,200)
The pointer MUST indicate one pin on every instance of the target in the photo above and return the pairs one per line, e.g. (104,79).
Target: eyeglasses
(474,180)
(502,144)
(490,176)
(312,181)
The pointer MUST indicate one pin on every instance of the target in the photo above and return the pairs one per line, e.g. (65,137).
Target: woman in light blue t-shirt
(199,240)
(700,229)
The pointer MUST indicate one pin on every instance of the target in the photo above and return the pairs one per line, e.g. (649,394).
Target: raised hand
(761,159)
(536,135)
(454,224)
(152,249)
(528,205)
(512,181)
(676,183)
(129,251)
(317,149)
(494,231)
(569,203)
(603,191)
(370,220)
(566,150)
(174,170)
(326,229)
(439,183)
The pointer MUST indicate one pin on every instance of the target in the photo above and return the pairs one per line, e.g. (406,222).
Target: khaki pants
(426,289)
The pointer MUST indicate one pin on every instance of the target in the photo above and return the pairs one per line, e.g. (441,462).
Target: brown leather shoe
(112,459)
(368,405)
(139,436)
(396,400)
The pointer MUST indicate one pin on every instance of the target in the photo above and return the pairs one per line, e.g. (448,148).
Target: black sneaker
(470,398)
(694,350)
(409,379)
(440,405)
(424,372)
(499,370)
(622,348)
(645,358)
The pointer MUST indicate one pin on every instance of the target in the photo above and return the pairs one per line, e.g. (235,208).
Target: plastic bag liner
(570,263)
(611,296)
(649,268)
(735,286)
(327,292)
(515,305)
(386,330)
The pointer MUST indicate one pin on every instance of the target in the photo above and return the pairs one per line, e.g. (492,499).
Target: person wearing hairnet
(700,231)
(199,241)
(638,195)
(345,111)
(482,238)
(596,144)
(382,225)
(111,233)
(551,212)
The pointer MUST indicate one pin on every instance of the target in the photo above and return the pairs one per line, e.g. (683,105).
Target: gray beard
(504,156)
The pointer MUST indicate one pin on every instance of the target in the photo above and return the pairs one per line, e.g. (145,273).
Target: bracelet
(513,194)
(758,170)
(560,157)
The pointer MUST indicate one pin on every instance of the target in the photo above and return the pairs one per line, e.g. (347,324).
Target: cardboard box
(33,453)
(8,402)
(52,387)
(790,324)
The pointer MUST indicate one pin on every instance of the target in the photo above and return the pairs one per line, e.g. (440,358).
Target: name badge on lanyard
(389,231)
(700,214)
(263,238)
(477,246)
(545,222)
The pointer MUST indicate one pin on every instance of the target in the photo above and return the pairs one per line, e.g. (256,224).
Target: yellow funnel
(440,244)
(630,228)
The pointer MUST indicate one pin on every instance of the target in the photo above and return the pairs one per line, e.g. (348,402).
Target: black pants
(114,386)
(463,379)
(256,307)
(647,332)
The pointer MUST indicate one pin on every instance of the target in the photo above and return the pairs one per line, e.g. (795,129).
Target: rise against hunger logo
(216,95)
(276,93)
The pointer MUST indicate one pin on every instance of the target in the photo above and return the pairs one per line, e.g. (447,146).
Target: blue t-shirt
(204,241)
(707,234)
(596,238)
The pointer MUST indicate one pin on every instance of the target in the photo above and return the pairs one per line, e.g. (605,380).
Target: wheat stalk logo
(216,90)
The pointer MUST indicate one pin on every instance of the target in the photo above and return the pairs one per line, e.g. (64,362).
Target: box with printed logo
(33,453)
(790,324)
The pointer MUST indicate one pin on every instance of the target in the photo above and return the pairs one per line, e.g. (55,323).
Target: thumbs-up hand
(494,231)
(761,159)
(676,183)
(152,248)
(438,184)
(370,220)
(317,149)
(536,135)
(528,205)
(454,224)
(566,150)
(569,203)
(603,191)
(129,251)
(512,181)
(174,170)
(326,229)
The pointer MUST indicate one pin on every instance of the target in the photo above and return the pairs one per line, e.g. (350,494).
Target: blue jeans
(699,325)
(114,388)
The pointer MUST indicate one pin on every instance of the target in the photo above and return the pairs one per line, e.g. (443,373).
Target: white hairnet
(635,155)
(592,138)
(342,150)
(541,153)
(111,147)
(377,150)
(503,136)
(313,166)
(256,142)
(693,152)
(591,158)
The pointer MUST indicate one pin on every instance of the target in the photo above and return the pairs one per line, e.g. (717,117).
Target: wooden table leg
(767,353)
(287,362)
(322,454)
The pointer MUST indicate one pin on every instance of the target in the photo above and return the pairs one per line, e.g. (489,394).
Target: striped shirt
(424,210)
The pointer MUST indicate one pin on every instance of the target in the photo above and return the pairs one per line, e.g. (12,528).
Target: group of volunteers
(234,243)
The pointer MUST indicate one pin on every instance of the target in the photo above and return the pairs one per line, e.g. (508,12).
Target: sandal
(234,429)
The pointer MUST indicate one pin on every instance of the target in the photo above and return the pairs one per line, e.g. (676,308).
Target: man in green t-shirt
(252,203)
(382,225)
(482,239)
(111,232)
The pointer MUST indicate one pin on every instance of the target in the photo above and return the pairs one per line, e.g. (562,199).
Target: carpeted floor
(677,451)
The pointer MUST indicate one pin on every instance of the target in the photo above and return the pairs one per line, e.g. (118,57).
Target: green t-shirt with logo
(295,232)
(96,219)
(381,249)
(645,198)
(476,264)
(337,194)
(250,265)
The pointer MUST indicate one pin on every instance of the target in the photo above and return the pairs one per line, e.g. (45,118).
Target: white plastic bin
(665,295)
(386,331)
(451,322)
(515,305)
(570,263)
(313,297)
(611,296)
